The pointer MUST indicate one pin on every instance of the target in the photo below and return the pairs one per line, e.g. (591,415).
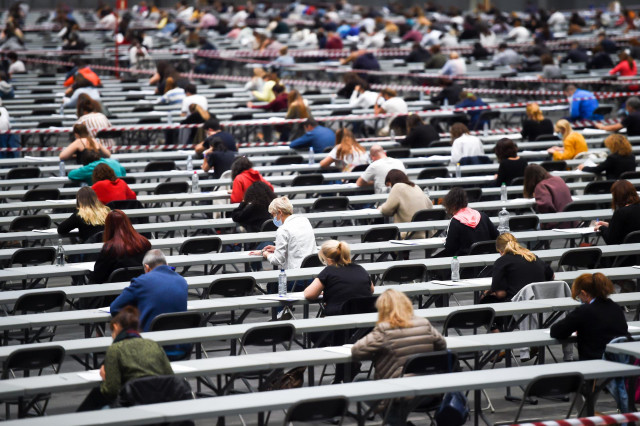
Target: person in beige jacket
(398,335)
(405,199)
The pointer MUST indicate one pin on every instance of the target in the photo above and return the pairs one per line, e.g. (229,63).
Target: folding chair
(331,410)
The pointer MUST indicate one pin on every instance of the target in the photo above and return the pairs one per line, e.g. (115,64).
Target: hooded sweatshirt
(116,190)
(467,226)
(243,181)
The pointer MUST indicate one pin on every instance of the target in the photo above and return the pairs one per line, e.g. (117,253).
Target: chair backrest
(632,238)
(33,359)
(599,187)
(487,115)
(318,410)
(483,247)
(405,274)
(268,225)
(433,172)
(29,223)
(475,160)
(360,168)
(439,144)
(176,321)
(33,256)
(23,173)
(517,181)
(469,319)
(288,159)
(524,223)
(125,274)
(359,305)
(438,362)
(160,166)
(172,188)
(40,302)
(383,233)
(576,206)
(553,385)
(153,390)
(201,245)
(603,110)
(232,287)
(426,215)
(41,194)
(543,290)
(269,335)
(585,257)
(125,205)
(549,137)
(399,152)
(307,180)
(554,166)
(330,204)
(311,261)
(473,194)
(129,180)
(630,175)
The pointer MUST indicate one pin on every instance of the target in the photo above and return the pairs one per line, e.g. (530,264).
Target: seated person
(92,159)
(405,199)
(218,160)
(511,164)
(619,161)
(573,142)
(631,121)
(108,187)
(89,216)
(83,143)
(626,213)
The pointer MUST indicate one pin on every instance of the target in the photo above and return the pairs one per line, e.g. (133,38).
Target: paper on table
(177,368)
(548,331)
(30,158)
(590,163)
(534,152)
(106,309)
(350,185)
(58,201)
(91,375)
(521,200)
(292,297)
(58,177)
(587,230)
(449,283)
(439,157)
(345,350)
(403,242)
(219,192)
(47,231)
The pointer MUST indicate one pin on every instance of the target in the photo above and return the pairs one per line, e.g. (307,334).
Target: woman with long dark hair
(551,192)
(511,164)
(626,213)
(123,247)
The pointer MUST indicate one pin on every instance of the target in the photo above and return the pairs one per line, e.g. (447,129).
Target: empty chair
(177,321)
(311,261)
(524,223)
(474,194)
(426,215)
(630,175)
(160,166)
(399,152)
(230,287)
(549,137)
(599,187)
(403,274)
(29,223)
(517,181)
(32,256)
(475,320)
(268,226)
(578,206)
(603,110)
(553,386)
(585,257)
(171,188)
(554,166)
(36,303)
(308,180)
(23,173)
(41,194)
(200,246)
(433,172)
(331,410)
(486,115)
(482,247)
(380,234)
(29,362)
(330,204)
(288,159)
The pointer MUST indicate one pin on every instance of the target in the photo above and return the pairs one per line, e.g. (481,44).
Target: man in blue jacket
(583,104)
(160,290)
(316,136)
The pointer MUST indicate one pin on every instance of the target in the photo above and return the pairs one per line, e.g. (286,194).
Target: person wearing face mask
(573,143)
(631,120)
(598,319)
(295,239)
(129,357)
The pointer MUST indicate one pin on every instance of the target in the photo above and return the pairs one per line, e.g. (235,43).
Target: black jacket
(614,166)
(107,263)
(421,136)
(597,324)
(85,230)
(460,237)
(624,221)
(251,216)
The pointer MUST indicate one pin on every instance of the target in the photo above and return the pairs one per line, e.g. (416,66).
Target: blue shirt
(474,116)
(583,109)
(160,291)
(319,138)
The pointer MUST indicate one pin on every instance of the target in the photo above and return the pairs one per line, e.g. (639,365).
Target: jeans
(93,401)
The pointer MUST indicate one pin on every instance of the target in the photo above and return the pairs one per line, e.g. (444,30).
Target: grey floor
(502,410)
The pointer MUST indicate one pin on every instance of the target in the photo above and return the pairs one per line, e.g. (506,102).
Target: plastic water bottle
(195,182)
(60,254)
(503,192)
(170,117)
(455,269)
(311,155)
(485,129)
(427,193)
(62,109)
(503,221)
(445,103)
(392,135)
(282,283)
(190,163)
(61,167)
(458,171)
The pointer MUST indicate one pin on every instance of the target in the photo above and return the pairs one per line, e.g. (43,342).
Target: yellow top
(573,145)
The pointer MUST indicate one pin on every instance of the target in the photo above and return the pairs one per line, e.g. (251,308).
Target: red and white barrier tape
(612,419)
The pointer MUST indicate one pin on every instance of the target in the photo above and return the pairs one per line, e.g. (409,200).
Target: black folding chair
(330,204)
(584,257)
(554,166)
(201,245)
(433,172)
(178,321)
(36,303)
(379,234)
(32,256)
(229,287)
(331,410)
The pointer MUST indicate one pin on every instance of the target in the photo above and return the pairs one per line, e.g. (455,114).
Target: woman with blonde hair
(340,280)
(535,124)
(89,216)
(347,153)
(619,161)
(573,143)
(265,94)
(597,320)
(397,336)
(83,143)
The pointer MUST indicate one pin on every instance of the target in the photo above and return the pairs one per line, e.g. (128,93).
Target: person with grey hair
(160,290)
(631,121)
(295,239)
(377,171)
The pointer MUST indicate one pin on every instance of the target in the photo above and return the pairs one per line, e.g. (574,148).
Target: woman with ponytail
(515,268)
(341,280)
(598,319)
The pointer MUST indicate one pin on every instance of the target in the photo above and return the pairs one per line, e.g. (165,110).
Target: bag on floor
(454,410)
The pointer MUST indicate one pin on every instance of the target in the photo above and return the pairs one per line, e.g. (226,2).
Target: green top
(130,359)
(84,173)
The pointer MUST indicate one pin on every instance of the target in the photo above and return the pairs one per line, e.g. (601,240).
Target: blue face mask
(277,222)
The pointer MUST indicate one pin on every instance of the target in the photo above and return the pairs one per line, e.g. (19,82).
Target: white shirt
(432,37)
(378,170)
(4,120)
(466,146)
(363,100)
(395,105)
(17,67)
(488,40)
(519,34)
(349,161)
(295,240)
(194,99)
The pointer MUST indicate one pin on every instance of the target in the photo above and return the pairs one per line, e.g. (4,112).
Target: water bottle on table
(282,283)
(63,172)
(190,163)
(458,171)
(60,253)
(455,269)
(503,192)
(311,155)
(195,182)
(503,221)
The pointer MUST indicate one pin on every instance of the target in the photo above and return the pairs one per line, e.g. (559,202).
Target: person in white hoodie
(7,140)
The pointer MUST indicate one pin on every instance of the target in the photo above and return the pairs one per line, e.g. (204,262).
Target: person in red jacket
(108,187)
(243,175)
(626,67)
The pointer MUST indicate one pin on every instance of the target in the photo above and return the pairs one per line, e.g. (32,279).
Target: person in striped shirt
(90,114)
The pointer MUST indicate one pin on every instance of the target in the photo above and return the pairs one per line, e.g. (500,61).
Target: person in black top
(575,54)
(213,128)
(597,321)
(219,160)
(467,225)
(511,164)
(600,59)
(253,211)
(351,80)
(341,280)
(619,161)
(419,135)
(631,121)
(450,91)
(535,124)
(418,54)
(626,213)
(89,216)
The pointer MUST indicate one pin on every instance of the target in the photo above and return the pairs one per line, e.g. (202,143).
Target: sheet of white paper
(590,163)
(403,242)
(350,185)
(587,230)
(521,200)
(449,283)
(58,201)
(344,350)
(47,231)
(58,178)
(288,298)
(91,375)
(106,309)
(181,368)
(220,192)
(439,157)
(30,158)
